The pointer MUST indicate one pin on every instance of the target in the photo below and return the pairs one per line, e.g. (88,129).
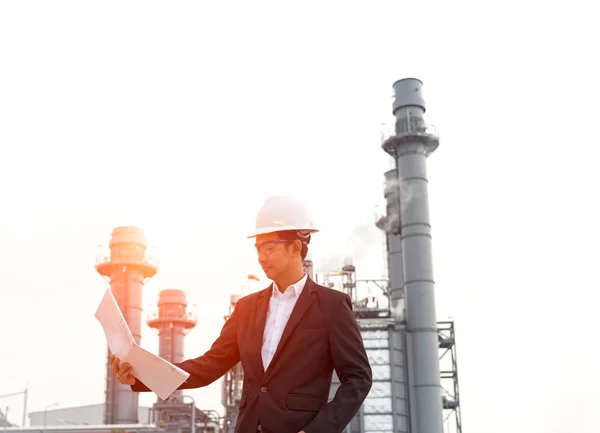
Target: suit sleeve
(220,358)
(352,367)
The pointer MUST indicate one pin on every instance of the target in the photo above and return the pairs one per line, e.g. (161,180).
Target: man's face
(275,255)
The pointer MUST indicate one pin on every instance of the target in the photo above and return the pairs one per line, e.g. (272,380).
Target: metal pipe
(390,224)
(26,392)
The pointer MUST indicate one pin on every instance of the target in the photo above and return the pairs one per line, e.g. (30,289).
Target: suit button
(263,389)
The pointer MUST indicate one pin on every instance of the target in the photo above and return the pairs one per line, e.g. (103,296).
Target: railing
(103,256)
(409,126)
(187,315)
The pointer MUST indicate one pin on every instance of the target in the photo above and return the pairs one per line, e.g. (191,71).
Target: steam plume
(400,196)
(361,240)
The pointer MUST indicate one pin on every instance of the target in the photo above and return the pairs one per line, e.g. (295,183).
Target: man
(289,338)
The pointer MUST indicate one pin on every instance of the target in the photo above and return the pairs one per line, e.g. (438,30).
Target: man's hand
(123,372)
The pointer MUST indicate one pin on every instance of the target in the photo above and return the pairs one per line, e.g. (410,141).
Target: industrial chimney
(307,266)
(172,323)
(233,381)
(126,267)
(409,253)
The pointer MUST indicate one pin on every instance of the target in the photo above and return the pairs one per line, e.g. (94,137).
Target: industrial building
(92,414)
(413,356)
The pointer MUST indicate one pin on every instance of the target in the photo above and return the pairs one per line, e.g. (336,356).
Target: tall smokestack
(127,269)
(172,323)
(398,353)
(410,146)
(391,225)
(233,381)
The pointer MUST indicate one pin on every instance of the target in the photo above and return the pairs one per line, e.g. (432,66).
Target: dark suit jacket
(321,335)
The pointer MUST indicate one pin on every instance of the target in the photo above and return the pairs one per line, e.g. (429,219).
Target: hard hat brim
(265,230)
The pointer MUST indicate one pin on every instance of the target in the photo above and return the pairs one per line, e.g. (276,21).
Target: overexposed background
(183,117)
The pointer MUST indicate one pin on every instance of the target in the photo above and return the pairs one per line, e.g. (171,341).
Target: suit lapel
(304,302)
(261,309)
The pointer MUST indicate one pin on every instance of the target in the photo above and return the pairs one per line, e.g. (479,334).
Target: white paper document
(156,373)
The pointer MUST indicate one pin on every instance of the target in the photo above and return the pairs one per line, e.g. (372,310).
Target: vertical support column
(390,224)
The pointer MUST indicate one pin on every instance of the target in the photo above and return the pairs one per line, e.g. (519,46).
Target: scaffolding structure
(449,377)
(373,316)
(376,413)
(387,406)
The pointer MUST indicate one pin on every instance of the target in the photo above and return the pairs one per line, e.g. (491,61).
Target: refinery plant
(412,355)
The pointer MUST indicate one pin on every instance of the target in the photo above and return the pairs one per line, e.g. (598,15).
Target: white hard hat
(281,213)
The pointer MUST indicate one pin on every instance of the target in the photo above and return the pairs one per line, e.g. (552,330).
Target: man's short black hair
(293,235)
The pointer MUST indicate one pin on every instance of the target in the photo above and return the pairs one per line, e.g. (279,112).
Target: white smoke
(367,236)
(407,192)
(361,241)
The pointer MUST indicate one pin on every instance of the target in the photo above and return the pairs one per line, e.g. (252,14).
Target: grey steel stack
(418,399)
(406,346)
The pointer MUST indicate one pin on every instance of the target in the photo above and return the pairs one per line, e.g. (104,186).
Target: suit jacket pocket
(304,402)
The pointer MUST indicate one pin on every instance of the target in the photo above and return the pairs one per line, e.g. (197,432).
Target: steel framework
(449,377)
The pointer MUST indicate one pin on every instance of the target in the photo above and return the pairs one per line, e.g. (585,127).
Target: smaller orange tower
(172,323)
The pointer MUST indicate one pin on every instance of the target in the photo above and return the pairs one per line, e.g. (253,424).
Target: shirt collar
(295,288)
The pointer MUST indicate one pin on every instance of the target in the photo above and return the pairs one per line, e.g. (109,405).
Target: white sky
(181,119)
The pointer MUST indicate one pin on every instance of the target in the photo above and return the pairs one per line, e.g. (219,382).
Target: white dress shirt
(281,306)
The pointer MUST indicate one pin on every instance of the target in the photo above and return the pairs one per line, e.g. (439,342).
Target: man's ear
(298,247)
